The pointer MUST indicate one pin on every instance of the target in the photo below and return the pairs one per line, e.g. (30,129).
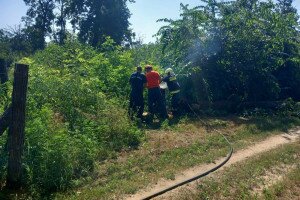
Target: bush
(52,157)
(75,115)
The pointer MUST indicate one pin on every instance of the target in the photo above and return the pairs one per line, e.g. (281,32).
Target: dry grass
(172,148)
(272,175)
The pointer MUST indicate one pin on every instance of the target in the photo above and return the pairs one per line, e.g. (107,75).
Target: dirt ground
(266,145)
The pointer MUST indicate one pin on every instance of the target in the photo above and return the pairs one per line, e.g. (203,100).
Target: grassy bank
(172,149)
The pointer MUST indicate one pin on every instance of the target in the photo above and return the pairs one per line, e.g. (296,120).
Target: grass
(175,148)
(288,188)
(240,180)
(136,172)
(177,145)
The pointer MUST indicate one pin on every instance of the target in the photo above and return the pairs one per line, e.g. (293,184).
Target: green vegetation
(240,57)
(75,115)
(243,51)
(165,153)
(287,188)
(243,181)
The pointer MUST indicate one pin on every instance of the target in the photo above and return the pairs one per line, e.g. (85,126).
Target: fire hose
(203,174)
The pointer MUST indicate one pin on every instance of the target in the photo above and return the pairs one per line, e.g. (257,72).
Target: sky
(145,13)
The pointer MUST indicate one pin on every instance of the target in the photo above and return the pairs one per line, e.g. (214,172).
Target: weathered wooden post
(3,71)
(16,130)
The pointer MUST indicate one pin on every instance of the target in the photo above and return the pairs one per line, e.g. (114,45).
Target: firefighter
(174,89)
(138,82)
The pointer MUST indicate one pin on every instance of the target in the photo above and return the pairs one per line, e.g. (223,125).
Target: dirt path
(266,145)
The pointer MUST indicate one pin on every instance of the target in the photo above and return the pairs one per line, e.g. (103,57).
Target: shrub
(75,114)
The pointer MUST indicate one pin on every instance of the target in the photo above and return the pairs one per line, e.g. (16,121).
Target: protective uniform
(173,87)
(136,105)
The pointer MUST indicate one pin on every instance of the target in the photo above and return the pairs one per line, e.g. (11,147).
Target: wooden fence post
(3,71)
(16,130)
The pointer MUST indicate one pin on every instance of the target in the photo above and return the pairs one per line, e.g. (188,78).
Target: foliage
(15,43)
(42,12)
(93,19)
(238,51)
(144,54)
(53,157)
(167,153)
(61,21)
(97,19)
(289,108)
(74,115)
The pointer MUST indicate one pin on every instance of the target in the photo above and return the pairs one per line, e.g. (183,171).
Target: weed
(239,180)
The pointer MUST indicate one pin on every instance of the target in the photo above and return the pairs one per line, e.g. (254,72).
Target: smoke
(202,50)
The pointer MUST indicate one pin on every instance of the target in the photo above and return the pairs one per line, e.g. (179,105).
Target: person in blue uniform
(138,83)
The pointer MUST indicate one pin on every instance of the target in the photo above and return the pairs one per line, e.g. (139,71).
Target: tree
(286,6)
(15,43)
(4,43)
(42,13)
(247,50)
(96,19)
(62,7)
(288,74)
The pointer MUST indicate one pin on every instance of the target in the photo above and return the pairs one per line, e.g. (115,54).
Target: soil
(266,145)
(272,177)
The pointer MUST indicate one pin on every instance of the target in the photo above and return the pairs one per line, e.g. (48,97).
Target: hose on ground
(156,194)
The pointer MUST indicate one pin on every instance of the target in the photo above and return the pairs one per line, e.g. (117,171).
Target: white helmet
(169,70)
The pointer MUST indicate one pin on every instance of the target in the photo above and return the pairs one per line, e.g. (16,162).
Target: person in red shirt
(155,99)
